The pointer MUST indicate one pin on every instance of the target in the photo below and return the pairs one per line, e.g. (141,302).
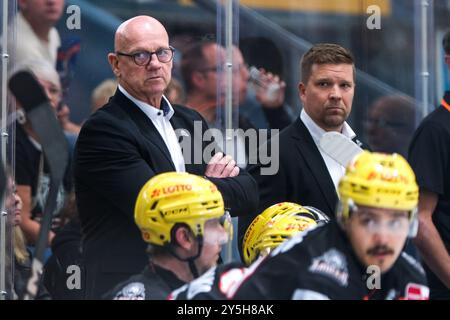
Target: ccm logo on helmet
(171,189)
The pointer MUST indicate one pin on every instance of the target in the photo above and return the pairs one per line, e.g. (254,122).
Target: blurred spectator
(268,111)
(32,172)
(37,38)
(202,70)
(202,67)
(22,257)
(390,124)
(175,92)
(101,94)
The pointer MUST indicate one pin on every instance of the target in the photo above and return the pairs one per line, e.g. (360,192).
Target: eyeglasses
(142,58)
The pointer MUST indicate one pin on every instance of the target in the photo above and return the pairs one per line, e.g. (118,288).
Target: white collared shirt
(30,47)
(335,169)
(164,127)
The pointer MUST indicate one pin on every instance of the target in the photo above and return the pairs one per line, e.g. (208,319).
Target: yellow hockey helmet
(176,197)
(273,226)
(378,180)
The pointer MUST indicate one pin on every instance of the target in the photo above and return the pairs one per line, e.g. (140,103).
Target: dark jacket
(320,264)
(117,152)
(302,176)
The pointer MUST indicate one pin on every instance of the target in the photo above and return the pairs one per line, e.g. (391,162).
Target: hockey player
(267,231)
(182,218)
(358,256)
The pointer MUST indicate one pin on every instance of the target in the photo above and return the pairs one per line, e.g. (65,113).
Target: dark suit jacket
(117,152)
(302,177)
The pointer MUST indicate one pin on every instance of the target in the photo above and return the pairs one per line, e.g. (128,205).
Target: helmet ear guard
(413,224)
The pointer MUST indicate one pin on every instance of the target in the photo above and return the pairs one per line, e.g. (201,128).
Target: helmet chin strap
(190,260)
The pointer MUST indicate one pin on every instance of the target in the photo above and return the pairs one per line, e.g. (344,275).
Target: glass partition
(7,45)
(238,64)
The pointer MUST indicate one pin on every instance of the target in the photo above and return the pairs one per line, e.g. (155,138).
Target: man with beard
(306,174)
(357,256)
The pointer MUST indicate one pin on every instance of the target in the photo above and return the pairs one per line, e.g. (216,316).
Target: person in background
(390,124)
(102,93)
(429,156)
(37,37)
(31,169)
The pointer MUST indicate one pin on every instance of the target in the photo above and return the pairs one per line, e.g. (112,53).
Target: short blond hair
(102,93)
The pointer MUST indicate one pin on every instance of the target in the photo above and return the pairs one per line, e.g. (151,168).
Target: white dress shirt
(336,170)
(30,47)
(162,123)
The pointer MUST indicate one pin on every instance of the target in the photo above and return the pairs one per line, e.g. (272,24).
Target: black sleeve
(24,174)
(122,172)
(240,194)
(428,156)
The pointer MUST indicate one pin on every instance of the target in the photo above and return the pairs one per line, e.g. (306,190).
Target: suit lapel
(308,149)
(145,125)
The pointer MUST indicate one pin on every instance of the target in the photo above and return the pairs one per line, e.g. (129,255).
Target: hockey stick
(39,112)
(339,147)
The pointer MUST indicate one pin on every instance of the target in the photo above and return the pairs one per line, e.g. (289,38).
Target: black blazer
(302,177)
(117,152)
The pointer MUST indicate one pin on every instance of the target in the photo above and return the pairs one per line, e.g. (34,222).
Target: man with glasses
(131,139)
(358,255)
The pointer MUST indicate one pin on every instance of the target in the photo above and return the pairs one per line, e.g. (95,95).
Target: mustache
(381,249)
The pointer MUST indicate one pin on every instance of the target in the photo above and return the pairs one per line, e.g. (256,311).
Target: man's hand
(271,92)
(221,166)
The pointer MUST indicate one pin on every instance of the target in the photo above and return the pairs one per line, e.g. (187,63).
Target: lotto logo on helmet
(171,189)
(388,177)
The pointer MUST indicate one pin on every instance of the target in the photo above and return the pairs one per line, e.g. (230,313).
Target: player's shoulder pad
(410,261)
(131,291)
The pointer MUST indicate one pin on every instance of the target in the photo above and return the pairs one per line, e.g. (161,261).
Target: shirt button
(159,113)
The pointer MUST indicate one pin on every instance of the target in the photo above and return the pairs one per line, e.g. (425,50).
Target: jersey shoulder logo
(331,264)
(132,291)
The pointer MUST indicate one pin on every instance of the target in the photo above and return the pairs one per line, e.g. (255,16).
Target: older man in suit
(129,141)
(306,174)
